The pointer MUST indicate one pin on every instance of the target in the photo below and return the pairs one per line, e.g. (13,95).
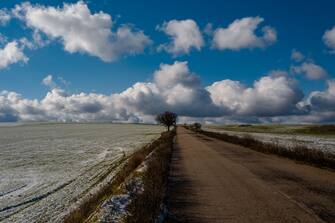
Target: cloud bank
(174,87)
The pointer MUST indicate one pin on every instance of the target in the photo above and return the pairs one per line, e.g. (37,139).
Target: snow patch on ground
(115,208)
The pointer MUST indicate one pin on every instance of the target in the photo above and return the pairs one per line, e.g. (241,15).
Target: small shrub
(195,127)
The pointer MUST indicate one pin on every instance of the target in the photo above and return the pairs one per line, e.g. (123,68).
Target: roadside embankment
(136,190)
(300,153)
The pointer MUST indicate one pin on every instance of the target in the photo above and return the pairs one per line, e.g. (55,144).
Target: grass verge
(300,153)
(147,206)
(92,202)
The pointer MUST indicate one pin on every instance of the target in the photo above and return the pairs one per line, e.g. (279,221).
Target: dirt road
(215,181)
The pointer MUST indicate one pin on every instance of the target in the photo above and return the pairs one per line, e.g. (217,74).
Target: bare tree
(167,119)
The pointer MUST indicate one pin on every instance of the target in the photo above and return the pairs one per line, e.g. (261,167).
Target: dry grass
(91,203)
(300,153)
(147,206)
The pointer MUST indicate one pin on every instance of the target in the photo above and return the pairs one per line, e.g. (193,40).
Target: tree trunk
(168,128)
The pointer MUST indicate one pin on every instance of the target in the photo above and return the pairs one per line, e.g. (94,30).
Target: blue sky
(299,25)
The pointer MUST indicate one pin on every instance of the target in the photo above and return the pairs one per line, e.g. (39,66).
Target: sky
(125,61)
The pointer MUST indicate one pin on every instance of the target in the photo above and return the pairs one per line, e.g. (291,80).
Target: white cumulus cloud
(185,35)
(174,88)
(320,106)
(241,34)
(12,53)
(275,94)
(297,56)
(311,70)
(49,82)
(329,38)
(323,100)
(4,17)
(80,30)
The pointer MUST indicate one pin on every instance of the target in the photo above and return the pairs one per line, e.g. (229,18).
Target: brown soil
(215,181)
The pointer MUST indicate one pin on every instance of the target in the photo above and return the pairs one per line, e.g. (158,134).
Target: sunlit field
(311,136)
(45,168)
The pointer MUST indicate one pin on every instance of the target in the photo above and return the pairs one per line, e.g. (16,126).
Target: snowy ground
(44,168)
(325,143)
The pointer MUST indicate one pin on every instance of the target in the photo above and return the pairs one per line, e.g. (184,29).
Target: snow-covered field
(325,143)
(45,168)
